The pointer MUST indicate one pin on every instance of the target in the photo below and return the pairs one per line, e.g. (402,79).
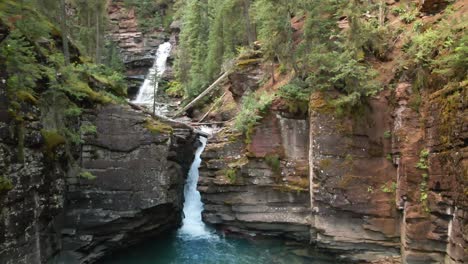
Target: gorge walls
(384,184)
(140,167)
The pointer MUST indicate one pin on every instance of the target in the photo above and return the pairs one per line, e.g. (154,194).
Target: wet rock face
(353,181)
(431,175)
(249,195)
(138,190)
(137,48)
(50,212)
(31,193)
(387,183)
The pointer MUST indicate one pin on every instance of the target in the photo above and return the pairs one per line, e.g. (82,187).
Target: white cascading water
(192,225)
(149,88)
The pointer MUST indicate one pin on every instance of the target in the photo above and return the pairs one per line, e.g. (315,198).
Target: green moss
(5,184)
(246,62)
(52,139)
(158,127)
(26,96)
(290,188)
(231,174)
(325,163)
(346,180)
(87,175)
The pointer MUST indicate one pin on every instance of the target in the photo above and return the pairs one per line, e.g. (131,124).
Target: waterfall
(150,86)
(192,225)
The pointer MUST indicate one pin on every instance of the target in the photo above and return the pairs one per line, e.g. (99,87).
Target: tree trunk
(64,28)
(248,24)
(98,33)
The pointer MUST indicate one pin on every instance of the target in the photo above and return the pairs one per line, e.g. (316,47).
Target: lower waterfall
(192,225)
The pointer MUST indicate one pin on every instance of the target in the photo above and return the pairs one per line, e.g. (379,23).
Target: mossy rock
(52,139)
(319,104)
(247,62)
(158,127)
(5,185)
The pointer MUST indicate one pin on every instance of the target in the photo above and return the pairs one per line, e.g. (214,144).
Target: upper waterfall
(150,86)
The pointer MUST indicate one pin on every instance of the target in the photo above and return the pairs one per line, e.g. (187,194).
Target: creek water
(194,242)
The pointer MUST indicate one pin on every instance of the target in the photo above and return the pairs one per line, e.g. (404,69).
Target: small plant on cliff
(296,94)
(423,192)
(252,109)
(88,129)
(87,175)
(387,134)
(423,162)
(231,174)
(175,89)
(389,188)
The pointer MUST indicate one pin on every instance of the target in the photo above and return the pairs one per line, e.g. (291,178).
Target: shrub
(88,129)
(175,89)
(274,162)
(296,94)
(398,10)
(253,106)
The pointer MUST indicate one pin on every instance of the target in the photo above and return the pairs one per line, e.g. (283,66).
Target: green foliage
(274,162)
(398,10)
(387,134)
(389,188)
(87,175)
(417,27)
(175,89)
(21,65)
(389,157)
(453,65)
(409,17)
(231,174)
(253,106)
(152,14)
(210,35)
(423,160)
(423,189)
(274,28)
(88,129)
(296,94)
